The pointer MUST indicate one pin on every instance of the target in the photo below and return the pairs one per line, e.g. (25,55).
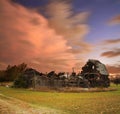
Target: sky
(60,34)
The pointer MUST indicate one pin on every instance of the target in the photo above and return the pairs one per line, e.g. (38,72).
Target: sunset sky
(60,34)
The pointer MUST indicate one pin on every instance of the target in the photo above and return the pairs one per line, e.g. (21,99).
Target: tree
(2,76)
(12,72)
(116,81)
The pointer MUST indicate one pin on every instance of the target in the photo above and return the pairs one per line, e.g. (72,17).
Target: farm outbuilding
(93,74)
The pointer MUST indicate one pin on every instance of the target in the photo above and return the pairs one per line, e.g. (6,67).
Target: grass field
(70,103)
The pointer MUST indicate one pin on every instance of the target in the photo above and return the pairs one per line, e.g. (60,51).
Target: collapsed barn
(93,74)
(96,73)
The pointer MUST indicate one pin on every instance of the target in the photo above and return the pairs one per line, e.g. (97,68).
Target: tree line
(12,72)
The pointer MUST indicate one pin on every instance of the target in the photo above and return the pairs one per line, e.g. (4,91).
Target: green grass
(72,103)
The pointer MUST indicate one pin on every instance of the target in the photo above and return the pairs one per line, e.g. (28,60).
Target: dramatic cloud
(113,53)
(70,25)
(114,69)
(115,20)
(26,37)
(114,41)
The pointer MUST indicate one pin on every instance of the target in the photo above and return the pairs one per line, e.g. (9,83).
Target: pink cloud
(112,53)
(112,41)
(113,69)
(26,37)
(73,26)
(115,20)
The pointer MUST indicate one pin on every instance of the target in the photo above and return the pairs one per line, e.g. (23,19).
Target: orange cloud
(25,36)
(115,20)
(113,53)
(114,69)
(114,41)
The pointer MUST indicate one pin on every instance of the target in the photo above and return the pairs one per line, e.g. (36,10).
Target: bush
(21,82)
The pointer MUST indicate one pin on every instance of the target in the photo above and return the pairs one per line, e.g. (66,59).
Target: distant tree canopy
(12,72)
(116,80)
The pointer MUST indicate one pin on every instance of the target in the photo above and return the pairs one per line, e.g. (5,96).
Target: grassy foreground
(71,103)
